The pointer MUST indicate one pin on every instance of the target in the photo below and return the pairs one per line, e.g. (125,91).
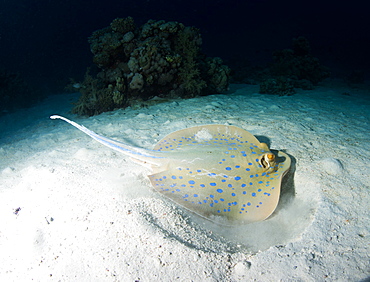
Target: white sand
(90,214)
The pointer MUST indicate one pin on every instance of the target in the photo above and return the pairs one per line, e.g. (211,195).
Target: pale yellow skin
(220,172)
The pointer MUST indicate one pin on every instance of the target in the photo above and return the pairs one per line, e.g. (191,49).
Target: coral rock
(158,59)
(137,82)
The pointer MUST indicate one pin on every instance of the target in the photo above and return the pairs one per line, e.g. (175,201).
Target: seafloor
(74,210)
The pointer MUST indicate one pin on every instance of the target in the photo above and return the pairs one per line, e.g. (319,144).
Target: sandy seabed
(74,210)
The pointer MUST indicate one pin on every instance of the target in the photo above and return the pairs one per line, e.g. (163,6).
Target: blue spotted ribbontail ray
(220,172)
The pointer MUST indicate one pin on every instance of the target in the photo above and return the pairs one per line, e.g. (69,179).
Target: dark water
(45,41)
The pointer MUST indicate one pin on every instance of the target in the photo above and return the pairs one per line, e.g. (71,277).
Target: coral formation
(298,64)
(290,69)
(280,86)
(293,68)
(160,59)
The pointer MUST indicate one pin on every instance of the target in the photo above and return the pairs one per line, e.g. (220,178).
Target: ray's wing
(212,134)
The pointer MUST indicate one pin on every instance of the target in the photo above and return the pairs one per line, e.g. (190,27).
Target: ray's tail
(139,154)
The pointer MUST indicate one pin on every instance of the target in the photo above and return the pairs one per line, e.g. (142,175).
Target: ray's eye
(270,157)
(267,160)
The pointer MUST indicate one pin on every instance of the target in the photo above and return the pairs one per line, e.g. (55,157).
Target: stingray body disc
(216,172)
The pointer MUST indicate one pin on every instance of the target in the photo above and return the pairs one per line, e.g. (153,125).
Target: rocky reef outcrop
(160,58)
(294,68)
